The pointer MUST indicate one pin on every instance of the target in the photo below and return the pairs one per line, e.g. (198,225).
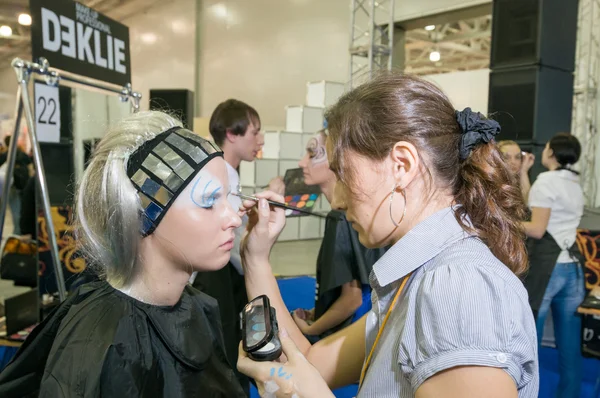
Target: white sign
(47,113)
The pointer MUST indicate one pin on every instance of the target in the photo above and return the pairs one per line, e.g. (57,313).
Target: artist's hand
(307,315)
(302,324)
(295,378)
(264,226)
(277,185)
(527,162)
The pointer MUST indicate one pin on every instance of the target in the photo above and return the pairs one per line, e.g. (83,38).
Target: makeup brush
(277,204)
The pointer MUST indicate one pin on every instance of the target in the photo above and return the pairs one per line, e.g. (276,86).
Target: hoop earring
(397,224)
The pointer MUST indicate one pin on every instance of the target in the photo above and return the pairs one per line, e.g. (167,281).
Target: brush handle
(279,204)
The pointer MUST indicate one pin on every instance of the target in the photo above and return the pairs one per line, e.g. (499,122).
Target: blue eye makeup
(210,192)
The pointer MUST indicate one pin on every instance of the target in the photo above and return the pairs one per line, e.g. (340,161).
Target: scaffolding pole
(371,39)
(24,71)
(585,97)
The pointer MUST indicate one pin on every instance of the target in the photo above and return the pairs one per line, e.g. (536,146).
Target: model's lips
(228,245)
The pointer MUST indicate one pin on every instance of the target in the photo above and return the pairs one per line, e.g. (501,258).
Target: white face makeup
(316,149)
(200,222)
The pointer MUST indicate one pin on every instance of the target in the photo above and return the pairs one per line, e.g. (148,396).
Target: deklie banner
(78,39)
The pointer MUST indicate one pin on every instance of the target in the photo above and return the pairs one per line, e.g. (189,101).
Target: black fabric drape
(103,343)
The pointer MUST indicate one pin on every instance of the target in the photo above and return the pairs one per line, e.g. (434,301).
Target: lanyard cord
(387,316)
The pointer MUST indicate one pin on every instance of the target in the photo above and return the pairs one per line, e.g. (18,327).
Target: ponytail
(488,194)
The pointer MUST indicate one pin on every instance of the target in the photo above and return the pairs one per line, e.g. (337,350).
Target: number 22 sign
(47,112)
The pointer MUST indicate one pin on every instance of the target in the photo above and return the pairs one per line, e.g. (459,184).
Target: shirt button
(501,357)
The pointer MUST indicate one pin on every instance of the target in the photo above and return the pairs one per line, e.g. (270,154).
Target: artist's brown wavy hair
(394,107)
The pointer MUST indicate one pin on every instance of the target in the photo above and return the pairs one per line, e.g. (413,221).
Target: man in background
(235,127)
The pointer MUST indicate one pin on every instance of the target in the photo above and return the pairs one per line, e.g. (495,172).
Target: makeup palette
(303,201)
(298,194)
(259,330)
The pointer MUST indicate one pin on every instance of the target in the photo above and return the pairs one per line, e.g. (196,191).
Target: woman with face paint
(450,316)
(343,266)
(151,209)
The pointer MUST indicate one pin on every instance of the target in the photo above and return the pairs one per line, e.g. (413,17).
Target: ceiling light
(434,56)
(5,30)
(148,38)
(219,10)
(25,19)
(430,27)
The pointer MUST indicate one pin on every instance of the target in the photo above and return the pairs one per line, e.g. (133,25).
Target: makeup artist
(343,293)
(450,316)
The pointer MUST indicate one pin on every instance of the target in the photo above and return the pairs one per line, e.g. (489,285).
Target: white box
(309,227)
(303,119)
(322,205)
(285,165)
(266,170)
(323,94)
(247,174)
(248,190)
(258,173)
(283,145)
(290,231)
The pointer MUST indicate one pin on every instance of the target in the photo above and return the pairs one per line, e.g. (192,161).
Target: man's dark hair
(565,148)
(231,116)
(7,140)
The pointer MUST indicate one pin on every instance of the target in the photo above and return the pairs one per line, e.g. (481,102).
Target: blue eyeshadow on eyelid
(206,202)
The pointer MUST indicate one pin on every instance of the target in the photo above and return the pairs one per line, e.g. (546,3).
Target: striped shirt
(461,307)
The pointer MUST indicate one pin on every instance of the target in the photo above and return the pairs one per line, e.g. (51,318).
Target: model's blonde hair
(108,209)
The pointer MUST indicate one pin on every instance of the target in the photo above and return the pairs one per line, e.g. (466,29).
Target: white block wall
(284,149)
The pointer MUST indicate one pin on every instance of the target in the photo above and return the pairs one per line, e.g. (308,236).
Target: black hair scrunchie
(476,129)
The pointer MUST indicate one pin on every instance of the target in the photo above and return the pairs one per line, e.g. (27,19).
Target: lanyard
(387,316)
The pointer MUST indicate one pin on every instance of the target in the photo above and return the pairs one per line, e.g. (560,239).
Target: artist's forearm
(342,309)
(525,187)
(533,230)
(260,280)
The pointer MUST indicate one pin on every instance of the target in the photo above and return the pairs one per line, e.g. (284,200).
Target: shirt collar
(422,243)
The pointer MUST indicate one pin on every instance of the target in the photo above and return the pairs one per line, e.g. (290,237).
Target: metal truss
(462,45)
(585,98)
(371,38)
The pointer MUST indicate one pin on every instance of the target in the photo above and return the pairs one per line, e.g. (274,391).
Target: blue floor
(299,293)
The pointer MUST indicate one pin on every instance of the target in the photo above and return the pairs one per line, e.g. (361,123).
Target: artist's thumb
(290,349)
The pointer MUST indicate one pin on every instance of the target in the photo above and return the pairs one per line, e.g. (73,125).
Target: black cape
(342,259)
(228,287)
(102,343)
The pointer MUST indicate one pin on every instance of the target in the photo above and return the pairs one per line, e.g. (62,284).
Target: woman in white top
(555,279)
